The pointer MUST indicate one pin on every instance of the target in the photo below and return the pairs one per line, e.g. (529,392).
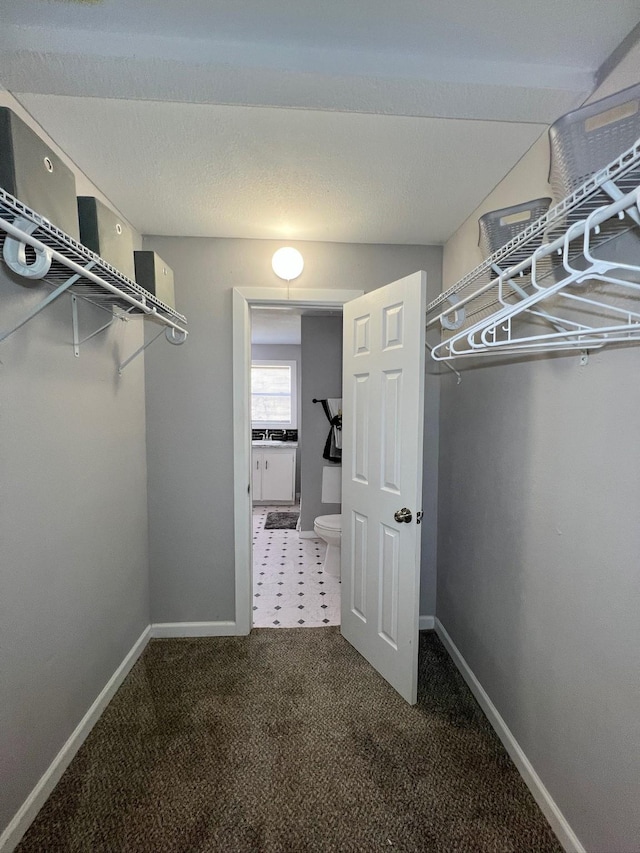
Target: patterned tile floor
(290,588)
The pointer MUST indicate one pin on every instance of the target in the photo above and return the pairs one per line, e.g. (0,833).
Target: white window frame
(280,362)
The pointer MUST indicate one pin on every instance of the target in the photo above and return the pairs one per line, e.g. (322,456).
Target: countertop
(271,443)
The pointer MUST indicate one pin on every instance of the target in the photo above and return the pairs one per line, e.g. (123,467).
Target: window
(273,394)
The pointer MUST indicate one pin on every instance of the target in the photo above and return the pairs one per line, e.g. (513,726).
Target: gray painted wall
(73,527)
(190,411)
(538,571)
(538,581)
(74,593)
(321,378)
(429,541)
(284,352)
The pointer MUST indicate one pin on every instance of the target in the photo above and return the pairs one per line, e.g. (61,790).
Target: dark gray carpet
(287,740)
(281,520)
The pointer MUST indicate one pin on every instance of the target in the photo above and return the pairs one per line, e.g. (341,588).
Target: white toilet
(329,528)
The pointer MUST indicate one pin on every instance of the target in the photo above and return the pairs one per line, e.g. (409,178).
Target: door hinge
(419,516)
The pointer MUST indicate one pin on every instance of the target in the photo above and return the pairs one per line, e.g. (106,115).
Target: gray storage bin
(102,231)
(498,227)
(30,171)
(155,276)
(589,138)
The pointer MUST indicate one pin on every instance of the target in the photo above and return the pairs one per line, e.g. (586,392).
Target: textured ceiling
(357,122)
(198,170)
(559,32)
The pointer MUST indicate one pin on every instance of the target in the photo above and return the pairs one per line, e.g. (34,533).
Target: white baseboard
(25,815)
(426,623)
(548,806)
(307,534)
(194,629)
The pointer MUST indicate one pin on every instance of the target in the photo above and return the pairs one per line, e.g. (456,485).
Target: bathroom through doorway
(296,360)
(244,301)
(290,587)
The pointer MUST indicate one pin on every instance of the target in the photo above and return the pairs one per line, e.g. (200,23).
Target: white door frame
(243,299)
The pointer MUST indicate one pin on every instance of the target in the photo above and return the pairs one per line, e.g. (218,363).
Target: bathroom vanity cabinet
(274,473)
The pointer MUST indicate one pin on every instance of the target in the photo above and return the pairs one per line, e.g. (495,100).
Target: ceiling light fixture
(287,263)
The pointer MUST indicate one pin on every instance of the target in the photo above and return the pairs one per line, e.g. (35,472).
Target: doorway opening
(296,357)
(280,574)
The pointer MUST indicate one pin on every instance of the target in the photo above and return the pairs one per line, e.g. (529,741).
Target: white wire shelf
(569,281)
(36,249)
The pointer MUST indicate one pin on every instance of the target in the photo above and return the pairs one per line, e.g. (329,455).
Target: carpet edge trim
(543,798)
(26,814)
(165,630)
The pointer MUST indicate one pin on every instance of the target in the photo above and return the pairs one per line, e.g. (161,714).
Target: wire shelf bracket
(77,341)
(173,336)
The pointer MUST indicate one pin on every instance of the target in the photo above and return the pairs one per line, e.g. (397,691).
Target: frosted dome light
(287,263)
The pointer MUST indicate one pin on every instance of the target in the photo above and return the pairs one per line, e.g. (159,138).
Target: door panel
(391,403)
(389,571)
(384,346)
(358,585)
(360,435)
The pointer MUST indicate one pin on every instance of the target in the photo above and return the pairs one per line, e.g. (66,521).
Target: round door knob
(403,514)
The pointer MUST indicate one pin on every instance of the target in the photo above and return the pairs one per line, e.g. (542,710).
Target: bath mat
(281,520)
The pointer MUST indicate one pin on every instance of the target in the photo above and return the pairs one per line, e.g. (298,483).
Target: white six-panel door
(383,399)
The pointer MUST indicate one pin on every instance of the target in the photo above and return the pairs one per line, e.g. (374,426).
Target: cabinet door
(278,475)
(256,474)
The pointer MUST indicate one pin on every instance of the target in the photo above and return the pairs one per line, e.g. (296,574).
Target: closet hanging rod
(496,333)
(630,200)
(23,237)
(621,171)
